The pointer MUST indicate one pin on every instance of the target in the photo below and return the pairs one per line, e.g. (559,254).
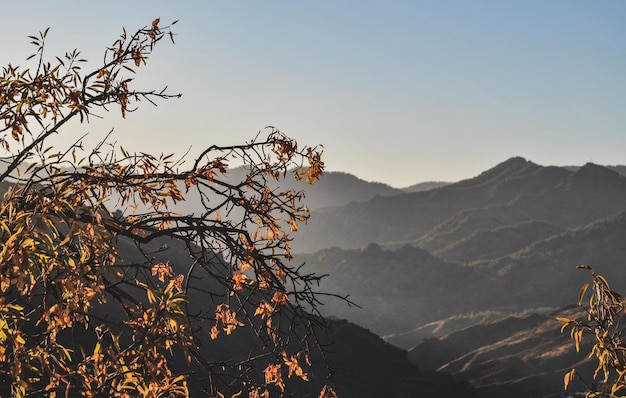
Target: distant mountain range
(513,192)
(430,264)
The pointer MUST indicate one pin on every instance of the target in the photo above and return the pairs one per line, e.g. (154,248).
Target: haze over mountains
(428,264)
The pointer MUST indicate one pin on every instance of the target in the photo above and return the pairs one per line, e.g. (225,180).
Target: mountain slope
(485,244)
(514,357)
(404,289)
(397,289)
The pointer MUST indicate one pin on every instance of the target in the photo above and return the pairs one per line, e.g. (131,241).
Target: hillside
(348,347)
(485,244)
(397,289)
(513,357)
(404,289)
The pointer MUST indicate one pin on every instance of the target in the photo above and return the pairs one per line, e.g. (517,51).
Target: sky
(398,92)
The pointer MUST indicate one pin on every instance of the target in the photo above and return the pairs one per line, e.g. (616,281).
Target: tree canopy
(105,289)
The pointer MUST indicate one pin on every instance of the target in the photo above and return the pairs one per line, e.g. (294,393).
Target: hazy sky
(396,91)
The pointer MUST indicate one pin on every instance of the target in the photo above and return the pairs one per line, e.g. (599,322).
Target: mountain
(621,169)
(513,357)
(513,192)
(439,270)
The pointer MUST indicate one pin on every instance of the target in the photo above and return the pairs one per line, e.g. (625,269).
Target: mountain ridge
(558,196)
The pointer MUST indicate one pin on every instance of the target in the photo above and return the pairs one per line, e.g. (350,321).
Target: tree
(604,311)
(93,303)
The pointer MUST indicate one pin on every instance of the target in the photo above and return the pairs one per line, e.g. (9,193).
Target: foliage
(605,314)
(79,318)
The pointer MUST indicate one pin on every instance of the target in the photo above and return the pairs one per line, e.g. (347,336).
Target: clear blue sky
(396,91)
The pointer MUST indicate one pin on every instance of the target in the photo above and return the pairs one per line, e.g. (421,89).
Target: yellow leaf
(20,340)
(616,387)
(569,376)
(578,338)
(151,297)
(581,294)
(604,281)
(15,307)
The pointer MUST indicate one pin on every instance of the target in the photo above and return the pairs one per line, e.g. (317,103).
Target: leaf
(603,281)
(582,292)
(616,387)
(151,296)
(15,307)
(578,338)
(569,376)
(566,323)
(19,340)
(273,375)
(16,130)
